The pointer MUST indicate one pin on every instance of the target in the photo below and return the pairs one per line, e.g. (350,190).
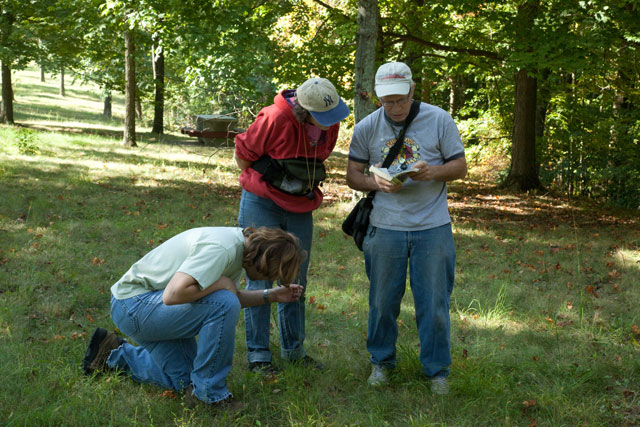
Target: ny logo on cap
(327,100)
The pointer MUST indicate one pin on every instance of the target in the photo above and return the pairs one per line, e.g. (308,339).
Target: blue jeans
(431,258)
(256,211)
(168,353)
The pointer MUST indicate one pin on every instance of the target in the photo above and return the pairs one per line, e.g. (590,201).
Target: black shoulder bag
(357,222)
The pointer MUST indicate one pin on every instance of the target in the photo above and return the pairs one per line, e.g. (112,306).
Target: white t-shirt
(205,253)
(433,137)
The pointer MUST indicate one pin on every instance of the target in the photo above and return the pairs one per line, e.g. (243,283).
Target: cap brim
(393,89)
(333,116)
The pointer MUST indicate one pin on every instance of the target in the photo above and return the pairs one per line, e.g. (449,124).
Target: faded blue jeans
(168,353)
(256,211)
(430,255)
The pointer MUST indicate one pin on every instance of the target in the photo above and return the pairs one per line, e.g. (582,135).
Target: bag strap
(393,152)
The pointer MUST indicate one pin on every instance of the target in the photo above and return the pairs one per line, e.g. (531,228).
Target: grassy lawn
(545,323)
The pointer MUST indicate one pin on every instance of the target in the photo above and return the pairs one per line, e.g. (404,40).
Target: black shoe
(309,362)
(263,368)
(101,344)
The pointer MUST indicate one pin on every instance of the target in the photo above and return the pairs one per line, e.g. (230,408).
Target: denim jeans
(256,211)
(431,258)
(168,353)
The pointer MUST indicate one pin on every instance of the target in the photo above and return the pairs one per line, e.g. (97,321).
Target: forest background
(546,98)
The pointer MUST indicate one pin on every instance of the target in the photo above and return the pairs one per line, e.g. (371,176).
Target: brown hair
(274,253)
(299,112)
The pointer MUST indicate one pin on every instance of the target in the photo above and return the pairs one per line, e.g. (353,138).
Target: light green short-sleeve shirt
(205,253)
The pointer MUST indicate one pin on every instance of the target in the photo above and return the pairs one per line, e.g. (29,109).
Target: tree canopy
(554,83)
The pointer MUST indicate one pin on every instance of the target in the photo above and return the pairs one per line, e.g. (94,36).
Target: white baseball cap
(320,98)
(393,78)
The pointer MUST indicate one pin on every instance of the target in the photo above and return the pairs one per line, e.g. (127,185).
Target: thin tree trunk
(107,111)
(42,76)
(365,61)
(62,82)
(6,116)
(456,93)
(129,137)
(158,103)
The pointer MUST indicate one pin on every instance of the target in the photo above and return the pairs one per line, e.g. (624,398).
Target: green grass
(544,311)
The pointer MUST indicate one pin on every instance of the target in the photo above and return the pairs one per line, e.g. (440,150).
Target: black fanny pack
(298,177)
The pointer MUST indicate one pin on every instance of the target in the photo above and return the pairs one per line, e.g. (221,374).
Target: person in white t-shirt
(187,287)
(410,223)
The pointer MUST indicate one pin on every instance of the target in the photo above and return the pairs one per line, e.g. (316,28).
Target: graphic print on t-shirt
(409,153)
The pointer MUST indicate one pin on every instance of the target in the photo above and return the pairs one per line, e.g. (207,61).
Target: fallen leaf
(312,300)
(321,307)
(529,403)
(591,290)
(169,394)
(89,317)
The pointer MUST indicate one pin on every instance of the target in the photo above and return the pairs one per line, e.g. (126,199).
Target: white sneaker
(378,376)
(439,385)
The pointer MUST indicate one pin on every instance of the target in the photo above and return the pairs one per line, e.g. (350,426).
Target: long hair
(274,253)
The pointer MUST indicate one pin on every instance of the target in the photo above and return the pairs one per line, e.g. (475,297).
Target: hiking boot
(263,368)
(308,362)
(379,376)
(101,344)
(439,385)
(229,404)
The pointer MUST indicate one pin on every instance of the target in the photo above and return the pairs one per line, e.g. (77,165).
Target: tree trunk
(138,108)
(6,116)
(158,103)
(61,81)
(456,93)
(524,167)
(42,77)
(365,61)
(523,173)
(107,111)
(544,96)
(129,137)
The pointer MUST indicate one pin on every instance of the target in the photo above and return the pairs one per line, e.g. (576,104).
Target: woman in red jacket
(281,157)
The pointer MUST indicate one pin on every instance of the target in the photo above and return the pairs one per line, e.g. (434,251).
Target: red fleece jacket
(278,134)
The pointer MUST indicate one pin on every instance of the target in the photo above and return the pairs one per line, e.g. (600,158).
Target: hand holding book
(394,176)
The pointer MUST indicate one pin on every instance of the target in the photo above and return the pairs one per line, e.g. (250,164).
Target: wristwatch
(265,296)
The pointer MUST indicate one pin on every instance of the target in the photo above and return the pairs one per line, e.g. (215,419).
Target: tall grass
(544,310)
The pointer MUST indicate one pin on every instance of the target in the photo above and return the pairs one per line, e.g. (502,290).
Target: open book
(392,176)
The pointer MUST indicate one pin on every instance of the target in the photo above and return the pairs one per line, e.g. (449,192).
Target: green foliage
(26,141)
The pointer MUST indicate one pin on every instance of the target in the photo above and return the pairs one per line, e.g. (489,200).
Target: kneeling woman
(188,287)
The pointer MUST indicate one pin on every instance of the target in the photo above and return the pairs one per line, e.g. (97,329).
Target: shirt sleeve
(252,144)
(450,143)
(206,263)
(359,149)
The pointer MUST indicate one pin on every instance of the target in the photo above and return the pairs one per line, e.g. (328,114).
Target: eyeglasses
(399,102)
